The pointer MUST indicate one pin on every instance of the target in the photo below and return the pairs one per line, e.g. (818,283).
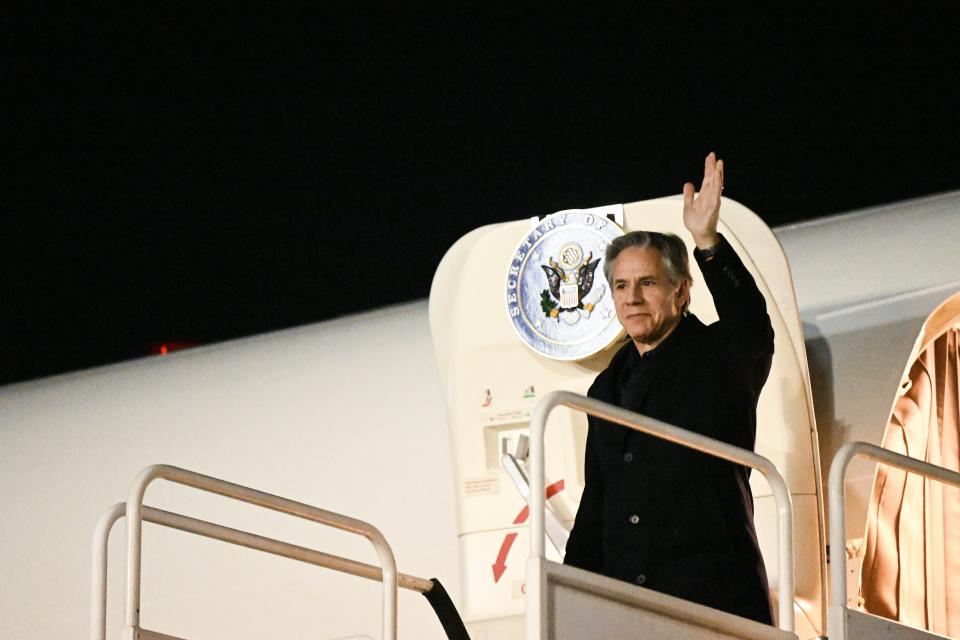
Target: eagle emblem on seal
(569,285)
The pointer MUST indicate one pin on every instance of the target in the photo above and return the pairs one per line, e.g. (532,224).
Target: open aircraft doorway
(911,563)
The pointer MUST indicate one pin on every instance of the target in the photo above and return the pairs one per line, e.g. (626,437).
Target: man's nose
(636,295)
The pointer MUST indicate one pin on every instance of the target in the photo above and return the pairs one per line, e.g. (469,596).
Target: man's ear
(683,293)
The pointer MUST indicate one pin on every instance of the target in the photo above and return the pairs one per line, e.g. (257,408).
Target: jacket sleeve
(585,545)
(739,303)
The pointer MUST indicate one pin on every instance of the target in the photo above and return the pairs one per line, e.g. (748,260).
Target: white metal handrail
(135,510)
(838,524)
(101,537)
(678,436)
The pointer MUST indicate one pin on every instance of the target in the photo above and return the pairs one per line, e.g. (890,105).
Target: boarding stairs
(562,602)
(136,513)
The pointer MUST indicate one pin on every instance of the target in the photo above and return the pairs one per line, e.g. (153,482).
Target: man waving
(654,513)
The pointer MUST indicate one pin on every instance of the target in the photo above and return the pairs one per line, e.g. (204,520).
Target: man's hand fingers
(700,214)
(688,190)
(712,178)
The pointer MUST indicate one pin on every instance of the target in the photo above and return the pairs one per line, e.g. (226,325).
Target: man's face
(648,304)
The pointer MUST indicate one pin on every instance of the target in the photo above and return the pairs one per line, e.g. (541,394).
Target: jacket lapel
(606,388)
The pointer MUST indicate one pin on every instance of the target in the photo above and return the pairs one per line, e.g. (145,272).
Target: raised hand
(701,213)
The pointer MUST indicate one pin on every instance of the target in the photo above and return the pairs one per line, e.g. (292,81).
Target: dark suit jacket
(664,516)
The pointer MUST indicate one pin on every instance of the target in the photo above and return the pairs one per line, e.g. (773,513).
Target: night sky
(178,175)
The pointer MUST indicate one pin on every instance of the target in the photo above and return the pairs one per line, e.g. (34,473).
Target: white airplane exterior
(372,416)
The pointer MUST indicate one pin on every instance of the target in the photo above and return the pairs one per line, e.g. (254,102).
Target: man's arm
(585,545)
(739,303)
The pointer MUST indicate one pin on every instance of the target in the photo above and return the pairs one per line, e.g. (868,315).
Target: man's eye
(620,285)
(649,283)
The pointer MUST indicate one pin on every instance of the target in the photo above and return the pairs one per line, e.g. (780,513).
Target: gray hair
(673,255)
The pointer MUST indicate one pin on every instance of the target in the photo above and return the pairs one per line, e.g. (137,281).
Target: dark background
(177,174)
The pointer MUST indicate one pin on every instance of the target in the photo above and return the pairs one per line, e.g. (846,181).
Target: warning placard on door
(487,486)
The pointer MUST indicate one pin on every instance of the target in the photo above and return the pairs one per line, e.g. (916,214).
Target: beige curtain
(911,568)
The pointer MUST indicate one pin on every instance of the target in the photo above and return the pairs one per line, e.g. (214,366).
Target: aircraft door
(492,381)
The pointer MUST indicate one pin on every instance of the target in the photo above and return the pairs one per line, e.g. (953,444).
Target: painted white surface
(874,253)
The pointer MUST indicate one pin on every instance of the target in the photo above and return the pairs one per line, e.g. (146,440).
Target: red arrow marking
(552,490)
(501,564)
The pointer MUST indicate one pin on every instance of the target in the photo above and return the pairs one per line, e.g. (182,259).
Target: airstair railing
(98,608)
(837,614)
(135,514)
(678,436)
